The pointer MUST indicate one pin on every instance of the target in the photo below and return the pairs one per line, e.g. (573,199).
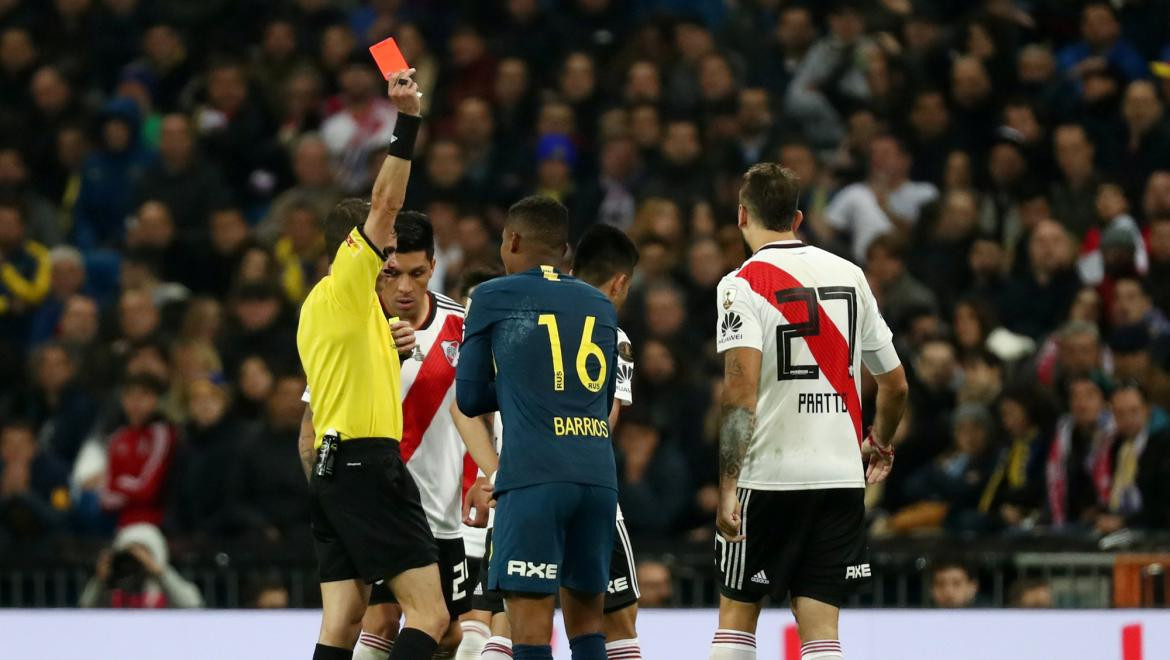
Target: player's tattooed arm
(735,433)
(741,380)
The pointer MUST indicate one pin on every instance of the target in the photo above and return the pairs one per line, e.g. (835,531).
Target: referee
(368,522)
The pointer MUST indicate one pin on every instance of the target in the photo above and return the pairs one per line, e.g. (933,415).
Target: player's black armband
(405,132)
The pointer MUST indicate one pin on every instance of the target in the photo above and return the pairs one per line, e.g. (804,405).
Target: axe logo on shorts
(618,585)
(857,572)
(530,569)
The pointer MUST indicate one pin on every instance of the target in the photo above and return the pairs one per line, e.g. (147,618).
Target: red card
(388,57)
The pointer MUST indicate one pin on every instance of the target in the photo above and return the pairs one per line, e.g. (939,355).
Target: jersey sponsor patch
(728,298)
(625,372)
(729,328)
(530,569)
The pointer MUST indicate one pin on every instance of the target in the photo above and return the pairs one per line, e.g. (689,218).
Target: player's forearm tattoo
(735,433)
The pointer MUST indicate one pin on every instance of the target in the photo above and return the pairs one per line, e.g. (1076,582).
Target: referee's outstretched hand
(478,502)
(404,94)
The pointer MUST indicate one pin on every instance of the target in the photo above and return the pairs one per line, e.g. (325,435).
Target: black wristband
(405,132)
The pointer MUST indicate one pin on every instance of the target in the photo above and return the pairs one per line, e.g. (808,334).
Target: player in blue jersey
(540,347)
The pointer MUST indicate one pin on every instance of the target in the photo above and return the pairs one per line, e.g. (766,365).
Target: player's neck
(530,261)
(760,238)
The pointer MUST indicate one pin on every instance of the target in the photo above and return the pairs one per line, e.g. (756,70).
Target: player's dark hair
(541,218)
(770,193)
(341,220)
(602,252)
(415,233)
(474,278)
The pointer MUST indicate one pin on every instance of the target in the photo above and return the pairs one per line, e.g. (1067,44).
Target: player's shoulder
(622,336)
(835,261)
(448,305)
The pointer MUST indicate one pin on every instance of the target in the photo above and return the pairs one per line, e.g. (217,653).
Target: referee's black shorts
(368,520)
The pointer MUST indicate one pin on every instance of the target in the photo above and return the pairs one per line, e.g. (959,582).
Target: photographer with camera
(135,573)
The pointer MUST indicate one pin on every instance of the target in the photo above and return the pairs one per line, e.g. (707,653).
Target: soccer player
(367,517)
(795,325)
(434,431)
(605,258)
(554,343)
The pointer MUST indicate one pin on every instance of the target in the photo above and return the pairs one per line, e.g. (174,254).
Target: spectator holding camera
(135,573)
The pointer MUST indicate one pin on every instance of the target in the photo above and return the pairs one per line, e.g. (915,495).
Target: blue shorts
(552,535)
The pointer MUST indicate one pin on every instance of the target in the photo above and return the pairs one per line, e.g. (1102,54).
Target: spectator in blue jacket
(109,178)
(1102,46)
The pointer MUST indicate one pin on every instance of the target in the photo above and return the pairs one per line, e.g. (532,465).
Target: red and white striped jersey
(815,320)
(431,446)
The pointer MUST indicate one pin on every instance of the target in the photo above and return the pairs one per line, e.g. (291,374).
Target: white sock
(497,648)
(733,645)
(372,647)
(821,649)
(623,649)
(475,635)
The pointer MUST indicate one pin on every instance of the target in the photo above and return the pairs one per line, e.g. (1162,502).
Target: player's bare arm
(741,377)
(479,444)
(305,441)
(389,191)
(878,448)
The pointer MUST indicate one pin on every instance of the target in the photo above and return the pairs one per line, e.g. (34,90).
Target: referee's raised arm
(390,186)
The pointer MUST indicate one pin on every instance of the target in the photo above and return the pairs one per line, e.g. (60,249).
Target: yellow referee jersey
(346,349)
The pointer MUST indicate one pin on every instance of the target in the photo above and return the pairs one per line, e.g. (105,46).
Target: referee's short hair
(415,233)
(540,218)
(604,251)
(341,220)
(770,193)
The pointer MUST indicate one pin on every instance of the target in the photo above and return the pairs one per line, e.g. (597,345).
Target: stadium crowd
(1000,169)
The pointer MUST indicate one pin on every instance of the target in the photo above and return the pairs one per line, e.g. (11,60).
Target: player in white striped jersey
(435,433)
(604,258)
(795,326)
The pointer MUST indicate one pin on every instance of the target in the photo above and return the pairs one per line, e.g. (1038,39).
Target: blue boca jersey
(540,347)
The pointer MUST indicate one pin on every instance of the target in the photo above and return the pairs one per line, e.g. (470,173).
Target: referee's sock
(413,644)
(497,648)
(372,647)
(821,649)
(733,645)
(624,649)
(323,652)
(588,647)
(475,636)
(532,652)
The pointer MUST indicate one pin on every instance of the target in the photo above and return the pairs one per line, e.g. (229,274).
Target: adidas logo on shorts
(760,578)
(478,590)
